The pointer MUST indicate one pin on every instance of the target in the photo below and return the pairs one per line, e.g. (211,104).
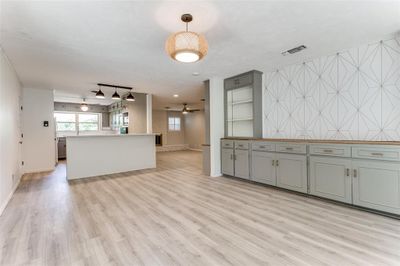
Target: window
(73,122)
(65,121)
(88,122)
(174,123)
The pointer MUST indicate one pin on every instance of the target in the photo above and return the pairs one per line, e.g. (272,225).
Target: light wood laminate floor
(176,216)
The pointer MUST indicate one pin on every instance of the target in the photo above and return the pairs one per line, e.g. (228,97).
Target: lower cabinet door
(330,178)
(263,167)
(242,164)
(376,185)
(227,161)
(292,172)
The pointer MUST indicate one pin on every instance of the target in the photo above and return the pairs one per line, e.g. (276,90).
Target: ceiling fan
(186,110)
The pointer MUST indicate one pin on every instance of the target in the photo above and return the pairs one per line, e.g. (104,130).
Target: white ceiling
(70,46)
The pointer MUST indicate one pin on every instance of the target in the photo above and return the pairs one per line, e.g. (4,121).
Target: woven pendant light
(186,46)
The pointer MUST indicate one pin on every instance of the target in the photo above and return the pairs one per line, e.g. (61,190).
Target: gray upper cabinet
(243,105)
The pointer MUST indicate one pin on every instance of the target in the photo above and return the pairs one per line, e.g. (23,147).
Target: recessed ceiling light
(176,95)
(195,73)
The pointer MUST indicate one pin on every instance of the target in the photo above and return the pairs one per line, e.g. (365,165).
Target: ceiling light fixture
(100,94)
(84,106)
(186,46)
(116,96)
(176,95)
(130,97)
(185,110)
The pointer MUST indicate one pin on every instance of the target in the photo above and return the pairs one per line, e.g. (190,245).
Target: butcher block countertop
(322,141)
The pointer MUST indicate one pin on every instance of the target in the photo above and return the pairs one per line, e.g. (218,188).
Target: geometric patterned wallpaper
(353,94)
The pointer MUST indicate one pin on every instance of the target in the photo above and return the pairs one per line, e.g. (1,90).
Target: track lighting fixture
(116,96)
(100,94)
(130,97)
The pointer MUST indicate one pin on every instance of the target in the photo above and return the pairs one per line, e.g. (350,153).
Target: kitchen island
(94,155)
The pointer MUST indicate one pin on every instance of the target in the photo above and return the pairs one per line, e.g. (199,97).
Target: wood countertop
(322,141)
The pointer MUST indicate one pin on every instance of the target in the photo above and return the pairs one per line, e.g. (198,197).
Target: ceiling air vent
(294,50)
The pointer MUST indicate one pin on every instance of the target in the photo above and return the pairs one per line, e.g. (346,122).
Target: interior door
(263,167)
(376,185)
(330,178)
(227,162)
(292,172)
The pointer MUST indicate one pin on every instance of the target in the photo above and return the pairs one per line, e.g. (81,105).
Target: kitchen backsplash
(353,94)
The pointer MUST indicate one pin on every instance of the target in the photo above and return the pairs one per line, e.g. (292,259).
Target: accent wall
(354,94)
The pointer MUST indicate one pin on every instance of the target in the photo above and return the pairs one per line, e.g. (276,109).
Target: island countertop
(113,135)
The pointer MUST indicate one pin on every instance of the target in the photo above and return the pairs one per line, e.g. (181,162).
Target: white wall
(39,145)
(10,130)
(194,129)
(137,113)
(354,94)
(160,125)
(216,124)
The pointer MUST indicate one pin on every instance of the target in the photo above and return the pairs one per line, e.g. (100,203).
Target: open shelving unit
(242,94)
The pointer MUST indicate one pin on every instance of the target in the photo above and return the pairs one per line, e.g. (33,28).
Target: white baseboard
(39,171)
(191,149)
(4,205)
(177,147)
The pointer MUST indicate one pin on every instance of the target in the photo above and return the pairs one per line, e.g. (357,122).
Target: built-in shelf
(243,105)
(240,119)
(241,102)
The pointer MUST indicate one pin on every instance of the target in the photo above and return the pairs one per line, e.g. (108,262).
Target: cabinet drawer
(241,145)
(376,153)
(329,150)
(263,146)
(291,148)
(227,144)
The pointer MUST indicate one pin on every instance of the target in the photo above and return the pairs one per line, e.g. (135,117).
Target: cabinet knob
(273,162)
(277,163)
(347,172)
(354,172)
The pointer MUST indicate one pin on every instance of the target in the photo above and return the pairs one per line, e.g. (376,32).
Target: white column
(216,124)
(149,113)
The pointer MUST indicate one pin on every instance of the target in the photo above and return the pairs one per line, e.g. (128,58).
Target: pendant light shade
(115,96)
(186,46)
(99,94)
(130,97)
(84,106)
